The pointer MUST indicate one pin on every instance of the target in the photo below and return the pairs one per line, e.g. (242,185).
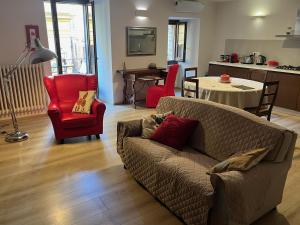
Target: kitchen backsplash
(286,52)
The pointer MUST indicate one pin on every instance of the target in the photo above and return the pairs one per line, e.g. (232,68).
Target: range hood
(294,33)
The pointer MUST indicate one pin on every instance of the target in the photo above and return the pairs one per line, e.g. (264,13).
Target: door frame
(85,4)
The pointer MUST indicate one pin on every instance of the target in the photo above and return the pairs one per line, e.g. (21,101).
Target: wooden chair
(190,79)
(265,106)
(186,70)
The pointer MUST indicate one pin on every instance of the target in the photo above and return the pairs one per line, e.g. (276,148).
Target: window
(70,28)
(176,41)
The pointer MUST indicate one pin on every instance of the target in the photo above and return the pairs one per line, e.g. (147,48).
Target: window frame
(177,23)
(85,4)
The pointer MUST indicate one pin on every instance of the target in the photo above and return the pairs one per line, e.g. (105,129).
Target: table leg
(125,98)
(134,94)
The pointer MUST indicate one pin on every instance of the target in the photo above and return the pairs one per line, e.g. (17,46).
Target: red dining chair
(63,91)
(154,93)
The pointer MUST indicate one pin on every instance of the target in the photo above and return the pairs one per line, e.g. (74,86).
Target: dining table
(239,93)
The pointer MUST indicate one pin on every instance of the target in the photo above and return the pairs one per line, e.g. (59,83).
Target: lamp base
(16,136)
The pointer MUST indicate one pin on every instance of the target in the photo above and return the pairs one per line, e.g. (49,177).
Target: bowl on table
(225,78)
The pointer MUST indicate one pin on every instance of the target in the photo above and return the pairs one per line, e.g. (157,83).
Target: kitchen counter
(255,67)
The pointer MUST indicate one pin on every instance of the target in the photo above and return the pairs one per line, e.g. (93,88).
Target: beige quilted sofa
(179,179)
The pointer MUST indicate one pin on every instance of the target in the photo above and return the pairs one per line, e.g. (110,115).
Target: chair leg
(89,137)
(97,136)
(269,117)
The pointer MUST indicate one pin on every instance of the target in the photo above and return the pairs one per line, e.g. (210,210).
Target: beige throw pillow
(151,123)
(240,161)
(84,102)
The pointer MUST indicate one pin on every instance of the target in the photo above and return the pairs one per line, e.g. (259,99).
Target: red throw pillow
(174,131)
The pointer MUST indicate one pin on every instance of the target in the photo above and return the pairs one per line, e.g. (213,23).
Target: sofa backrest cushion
(223,130)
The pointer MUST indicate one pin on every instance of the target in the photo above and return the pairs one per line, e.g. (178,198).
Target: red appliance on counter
(234,58)
(273,63)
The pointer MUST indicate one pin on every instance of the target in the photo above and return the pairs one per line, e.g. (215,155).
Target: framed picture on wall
(32,32)
(141,41)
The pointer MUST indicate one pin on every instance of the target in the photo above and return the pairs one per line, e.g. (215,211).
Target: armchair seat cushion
(77,120)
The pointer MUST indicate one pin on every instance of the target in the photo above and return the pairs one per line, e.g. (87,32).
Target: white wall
(235,21)
(14,15)
(123,15)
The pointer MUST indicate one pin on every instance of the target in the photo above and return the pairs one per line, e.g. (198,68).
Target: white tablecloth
(210,88)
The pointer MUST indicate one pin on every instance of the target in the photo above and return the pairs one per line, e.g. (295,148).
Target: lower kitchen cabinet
(238,72)
(289,89)
(258,75)
(289,83)
(216,70)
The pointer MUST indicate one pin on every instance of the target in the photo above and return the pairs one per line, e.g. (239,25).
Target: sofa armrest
(131,128)
(243,197)
(98,107)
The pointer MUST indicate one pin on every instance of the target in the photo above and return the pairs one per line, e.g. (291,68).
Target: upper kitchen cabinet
(289,89)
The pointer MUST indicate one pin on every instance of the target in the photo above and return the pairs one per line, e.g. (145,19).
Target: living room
(91,132)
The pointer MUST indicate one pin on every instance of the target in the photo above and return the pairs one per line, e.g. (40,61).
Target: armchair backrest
(64,89)
(171,78)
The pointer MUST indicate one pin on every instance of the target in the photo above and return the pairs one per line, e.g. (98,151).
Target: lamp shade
(41,54)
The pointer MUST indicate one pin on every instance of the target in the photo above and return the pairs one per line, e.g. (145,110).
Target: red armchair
(154,93)
(63,91)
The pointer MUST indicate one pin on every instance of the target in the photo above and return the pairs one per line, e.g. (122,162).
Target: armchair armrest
(131,128)
(243,197)
(98,107)
(54,110)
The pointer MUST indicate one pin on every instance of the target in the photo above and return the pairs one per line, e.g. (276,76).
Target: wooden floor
(83,182)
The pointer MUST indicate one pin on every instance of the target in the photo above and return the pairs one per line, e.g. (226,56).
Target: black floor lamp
(37,55)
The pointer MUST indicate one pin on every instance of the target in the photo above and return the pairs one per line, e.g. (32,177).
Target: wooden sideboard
(289,86)
(144,75)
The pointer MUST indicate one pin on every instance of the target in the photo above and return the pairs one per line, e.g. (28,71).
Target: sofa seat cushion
(77,120)
(178,178)
(141,158)
(185,187)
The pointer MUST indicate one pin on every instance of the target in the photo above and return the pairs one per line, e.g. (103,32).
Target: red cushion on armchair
(63,91)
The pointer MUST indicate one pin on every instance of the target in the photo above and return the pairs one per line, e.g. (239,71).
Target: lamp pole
(16,135)
(38,55)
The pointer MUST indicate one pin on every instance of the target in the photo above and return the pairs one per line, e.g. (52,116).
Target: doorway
(71,34)
(183,43)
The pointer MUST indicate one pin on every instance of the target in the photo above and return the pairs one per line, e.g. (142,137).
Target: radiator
(27,89)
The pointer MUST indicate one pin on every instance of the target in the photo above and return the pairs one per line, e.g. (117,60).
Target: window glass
(181,42)
(176,41)
(171,42)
